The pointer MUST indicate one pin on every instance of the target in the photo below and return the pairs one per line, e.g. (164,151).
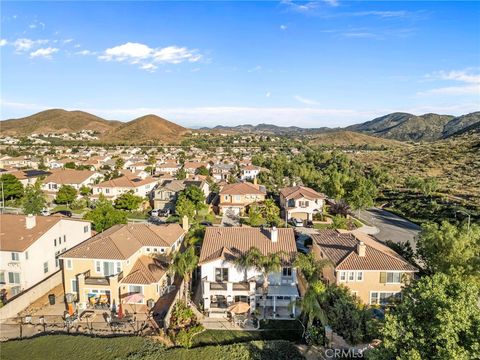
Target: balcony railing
(241,286)
(218,286)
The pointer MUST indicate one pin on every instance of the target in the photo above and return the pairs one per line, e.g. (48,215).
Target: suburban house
(224,283)
(372,271)
(300,202)
(75,178)
(123,260)
(221,171)
(236,197)
(113,188)
(30,246)
(167,168)
(192,166)
(29,177)
(165,195)
(250,172)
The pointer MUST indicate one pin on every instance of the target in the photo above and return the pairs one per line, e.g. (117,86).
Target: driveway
(391,227)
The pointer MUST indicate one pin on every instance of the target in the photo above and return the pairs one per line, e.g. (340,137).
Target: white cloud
(255,69)
(85,52)
(301,7)
(136,53)
(382,14)
(44,52)
(3,42)
(305,100)
(469,83)
(67,41)
(25,44)
(283,27)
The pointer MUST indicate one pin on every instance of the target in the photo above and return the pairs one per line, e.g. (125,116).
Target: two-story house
(300,202)
(30,247)
(222,171)
(167,168)
(165,195)
(75,178)
(191,167)
(113,188)
(235,198)
(224,283)
(250,172)
(371,270)
(123,260)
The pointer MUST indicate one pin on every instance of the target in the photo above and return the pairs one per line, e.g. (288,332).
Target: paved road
(391,226)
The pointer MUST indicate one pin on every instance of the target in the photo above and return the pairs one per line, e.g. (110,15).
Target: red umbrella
(120,311)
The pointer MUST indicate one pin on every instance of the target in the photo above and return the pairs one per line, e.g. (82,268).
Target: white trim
(382,292)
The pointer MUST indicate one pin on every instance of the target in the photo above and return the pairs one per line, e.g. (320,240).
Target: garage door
(300,215)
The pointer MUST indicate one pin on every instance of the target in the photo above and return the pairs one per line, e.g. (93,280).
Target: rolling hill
(148,128)
(56,121)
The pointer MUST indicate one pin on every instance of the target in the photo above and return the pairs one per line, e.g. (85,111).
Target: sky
(308,64)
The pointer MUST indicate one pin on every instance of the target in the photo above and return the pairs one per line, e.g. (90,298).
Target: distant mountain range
(396,126)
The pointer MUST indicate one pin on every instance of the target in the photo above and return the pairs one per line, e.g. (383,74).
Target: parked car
(163,213)
(154,212)
(297,222)
(45,212)
(67,213)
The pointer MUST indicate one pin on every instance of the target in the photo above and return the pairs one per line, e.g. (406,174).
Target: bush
(185,336)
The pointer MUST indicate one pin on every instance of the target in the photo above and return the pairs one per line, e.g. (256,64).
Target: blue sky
(309,64)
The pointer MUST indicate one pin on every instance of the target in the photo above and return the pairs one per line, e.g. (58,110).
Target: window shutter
(383,277)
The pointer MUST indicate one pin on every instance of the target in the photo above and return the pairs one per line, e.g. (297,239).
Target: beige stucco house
(236,197)
(372,271)
(301,202)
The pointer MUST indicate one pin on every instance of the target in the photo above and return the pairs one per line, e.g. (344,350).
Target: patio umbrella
(133,299)
(70,309)
(239,307)
(120,311)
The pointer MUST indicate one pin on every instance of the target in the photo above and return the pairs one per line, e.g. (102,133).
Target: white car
(297,222)
(45,212)
(155,212)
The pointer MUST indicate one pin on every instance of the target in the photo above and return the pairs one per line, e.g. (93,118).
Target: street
(390,226)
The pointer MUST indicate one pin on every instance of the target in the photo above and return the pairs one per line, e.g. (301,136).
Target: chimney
(274,234)
(361,247)
(255,182)
(185,225)
(30,221)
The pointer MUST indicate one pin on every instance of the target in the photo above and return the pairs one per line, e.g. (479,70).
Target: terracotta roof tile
(243,188)
(146,270)
(296,192)
(68,176)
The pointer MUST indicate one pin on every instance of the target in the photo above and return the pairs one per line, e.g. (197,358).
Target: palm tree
(264,264)
(310,266)
(310,305)
(184,263)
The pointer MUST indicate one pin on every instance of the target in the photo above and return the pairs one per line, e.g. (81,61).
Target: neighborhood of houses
(131,264)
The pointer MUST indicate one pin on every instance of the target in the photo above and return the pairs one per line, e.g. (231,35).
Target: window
(108,268)
(15,256)
(14,278)
(394,277)
(64,238)
(86,228)
(75,286)
(162,250)
(242,298)
(119,266)
(55,242)
(384,298)
(287,271)
(148,249)
(107,191)
(57,261)
(343,276)
(69,264)
(2,278)
(351,276)
(238,198)
(135,289)
(26,255)
(15,290)
(98,267)
(45,267)
(221,274)
(359,275)
(303,204)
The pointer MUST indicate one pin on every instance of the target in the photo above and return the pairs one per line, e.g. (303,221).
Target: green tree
(70,165)
(202,170)
(184,263)
(33,200)
(334,184)
(195,195)
(450,249)
(439,318)
(128,201)
(185,207)
(265,264)
(105,215)
(271,212)
(85,191)
(310,266)
(66,194)
(119,163)
(12,187)
(181,174)
(361,193)
(255,217)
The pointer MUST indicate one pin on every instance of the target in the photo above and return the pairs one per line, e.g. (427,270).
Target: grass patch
(322,226)
(65,207)
(77,347)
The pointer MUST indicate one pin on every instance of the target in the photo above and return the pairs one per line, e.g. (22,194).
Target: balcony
(241,286)
(218,286)
(100,280)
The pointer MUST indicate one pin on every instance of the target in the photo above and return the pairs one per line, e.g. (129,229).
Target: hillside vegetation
(350,138)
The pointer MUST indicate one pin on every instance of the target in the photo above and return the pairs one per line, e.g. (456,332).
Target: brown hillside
(349,138)
(148,128)
(56,121)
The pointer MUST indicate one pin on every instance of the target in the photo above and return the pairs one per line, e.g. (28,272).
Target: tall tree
(361,193)
(12,188)
(33,200)
(439,318)
(128,201)
(66,194)
(184,263)
(105,215)
(119,163)
(450,249)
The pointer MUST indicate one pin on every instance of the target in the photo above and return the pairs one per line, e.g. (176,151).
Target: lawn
(65,207)
(135,348)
